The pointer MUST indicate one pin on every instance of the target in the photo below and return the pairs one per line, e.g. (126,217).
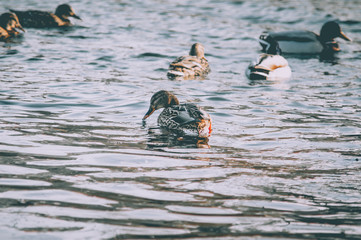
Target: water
(283,160)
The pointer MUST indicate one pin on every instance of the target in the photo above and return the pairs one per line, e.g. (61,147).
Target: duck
(190,66)
(184,120)
(307,42)
(270,65)
(43,19)
(9,23)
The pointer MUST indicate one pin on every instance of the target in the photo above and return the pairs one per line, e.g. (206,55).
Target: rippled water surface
(283,160)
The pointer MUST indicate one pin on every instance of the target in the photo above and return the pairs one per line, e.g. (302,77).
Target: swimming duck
(9,23)
(270,65)
(190,66)
(185,119)
(41,19)
(306,42)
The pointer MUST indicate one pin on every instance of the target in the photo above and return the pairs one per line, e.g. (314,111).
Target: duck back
(38,19)
(297,42)
(269,67)
(188,67)
(186,120)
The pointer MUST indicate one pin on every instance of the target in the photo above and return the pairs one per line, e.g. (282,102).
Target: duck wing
(176,116)
(269,67)
(196,112)
(186,119)
(295,36)
(188,67)
(37,19)
(297,42)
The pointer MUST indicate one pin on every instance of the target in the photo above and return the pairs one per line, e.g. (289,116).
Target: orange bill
(150,111)
(343,36)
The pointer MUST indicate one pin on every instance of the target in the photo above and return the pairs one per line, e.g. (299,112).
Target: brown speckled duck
(9,23)
(187,119)
(191,66)
(42,19)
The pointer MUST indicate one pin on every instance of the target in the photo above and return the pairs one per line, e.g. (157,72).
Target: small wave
(150,54)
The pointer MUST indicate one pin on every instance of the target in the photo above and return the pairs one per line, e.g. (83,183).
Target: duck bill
(76,16)
(343,36)
(21,28)
(150,111)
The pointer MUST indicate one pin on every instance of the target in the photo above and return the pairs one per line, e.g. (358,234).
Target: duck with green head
(307,42)
(185,119)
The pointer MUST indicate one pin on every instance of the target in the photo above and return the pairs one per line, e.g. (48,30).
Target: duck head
(161,99)
(271,46)
(330,31)
(197,50)
(9,21)
(64,11)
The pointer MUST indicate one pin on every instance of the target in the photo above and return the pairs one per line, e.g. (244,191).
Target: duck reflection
(329,56)
(276,84)
(160,138)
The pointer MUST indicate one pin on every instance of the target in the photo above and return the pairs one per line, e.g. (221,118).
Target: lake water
(283,161)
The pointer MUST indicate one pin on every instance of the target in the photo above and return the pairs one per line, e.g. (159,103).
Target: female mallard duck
(190,66)
(306,42)
(9,23)
(41,19)
(185,119)
(270,65)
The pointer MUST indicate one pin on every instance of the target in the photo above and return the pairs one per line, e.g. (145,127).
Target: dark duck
(43,19)
(306,42)
(190,66)
(184,120)
(9,25)
(270,65)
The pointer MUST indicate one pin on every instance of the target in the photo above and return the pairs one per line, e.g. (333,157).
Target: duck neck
(325,35)
(63,18)
(197,51)
(173,101)
(274,50)
(324,39)
(59,14)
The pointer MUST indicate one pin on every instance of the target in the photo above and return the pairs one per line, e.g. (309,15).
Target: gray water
(283,161)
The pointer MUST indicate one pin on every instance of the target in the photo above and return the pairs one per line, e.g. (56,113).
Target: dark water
(284,159)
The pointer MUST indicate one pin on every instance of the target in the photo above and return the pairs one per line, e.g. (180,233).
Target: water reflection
(329,57)
(159,138)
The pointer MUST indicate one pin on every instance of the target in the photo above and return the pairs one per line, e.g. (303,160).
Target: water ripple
(77,162)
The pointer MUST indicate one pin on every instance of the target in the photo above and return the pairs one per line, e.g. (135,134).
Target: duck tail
(257,73)
(172,74)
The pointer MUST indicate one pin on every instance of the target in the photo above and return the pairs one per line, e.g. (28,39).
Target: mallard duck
(42,19)
(9,23)
(185,119)
(270,65)
(306,42)
(190,66)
